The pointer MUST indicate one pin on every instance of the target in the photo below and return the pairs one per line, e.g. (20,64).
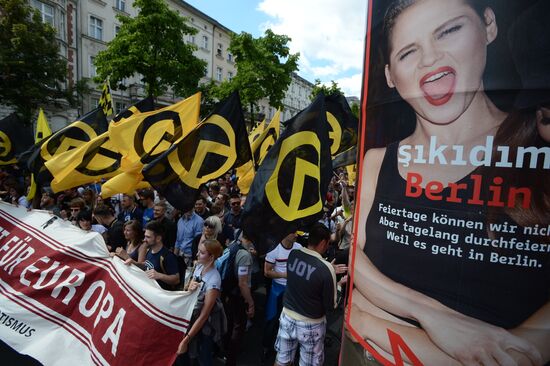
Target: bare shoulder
(372,163)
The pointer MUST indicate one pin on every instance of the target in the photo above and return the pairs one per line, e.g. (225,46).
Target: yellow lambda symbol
(335,133)
(5,145)
(86,133)
(303,168)
(191,177)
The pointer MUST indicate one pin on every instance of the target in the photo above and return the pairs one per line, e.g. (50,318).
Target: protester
(160,215)
(275,269)
(233,217)
(160,263)
(189,226)
(130,211)
(208,322)
(238,302)
(114,236)
(147,198)
(84,221)
(201,208)
(17,196)
(76,206)
(212,230)
(135,248)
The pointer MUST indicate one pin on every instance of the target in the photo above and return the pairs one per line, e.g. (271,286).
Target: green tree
(31,70)
(264,69)
(355,109)
(327,90)
(208,97)
(152,45)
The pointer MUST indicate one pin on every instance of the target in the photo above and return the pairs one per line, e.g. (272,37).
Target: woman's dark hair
(84,215)
(135,226)
(520,129)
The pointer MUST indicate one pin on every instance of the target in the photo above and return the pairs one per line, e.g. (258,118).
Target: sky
(329,34)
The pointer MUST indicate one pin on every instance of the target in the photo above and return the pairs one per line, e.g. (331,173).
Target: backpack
(182,269)
(225,265)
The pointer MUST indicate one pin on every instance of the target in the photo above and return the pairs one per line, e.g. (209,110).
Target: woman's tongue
(439,88)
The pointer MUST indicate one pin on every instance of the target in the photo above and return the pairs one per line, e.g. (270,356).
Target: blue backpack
(225,265)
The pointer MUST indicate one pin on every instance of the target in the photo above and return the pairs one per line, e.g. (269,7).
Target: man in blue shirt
(189,226)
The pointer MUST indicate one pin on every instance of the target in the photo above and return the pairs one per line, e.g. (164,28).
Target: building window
(191,39)
(91,67)
(205,42)
(120,5)
(219,50)
(119,107)
(61,27)
(96,28)
(219,73)
(229,75)
(117,29)
(229,57)
(94,103)
(46,11)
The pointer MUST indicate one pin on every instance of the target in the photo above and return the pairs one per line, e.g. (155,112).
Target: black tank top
(499,285)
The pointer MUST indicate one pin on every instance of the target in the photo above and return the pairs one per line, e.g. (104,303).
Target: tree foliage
(264,68)
(31,70)
(152,45)
(327,90)
(355,109)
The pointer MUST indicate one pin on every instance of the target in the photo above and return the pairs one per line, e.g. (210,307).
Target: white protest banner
(64,301)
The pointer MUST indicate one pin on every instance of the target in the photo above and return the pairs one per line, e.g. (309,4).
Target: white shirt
(278,257)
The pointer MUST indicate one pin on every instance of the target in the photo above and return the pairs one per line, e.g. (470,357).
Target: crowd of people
(193,251)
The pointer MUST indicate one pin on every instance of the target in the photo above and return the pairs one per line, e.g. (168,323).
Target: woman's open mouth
(438,86)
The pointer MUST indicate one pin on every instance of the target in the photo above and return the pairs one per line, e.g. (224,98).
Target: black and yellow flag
(70,137)
(291,183)
(97,159)
(348,157)
(256,132)
(106,101)
(260,145)
(15,139)
(342,124)
(218,144)
(43,131)
(142,138)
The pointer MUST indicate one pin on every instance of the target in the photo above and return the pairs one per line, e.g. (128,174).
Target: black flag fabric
(291,183)
(345,158)
(342,124)
(15,138)
(144,105)
(216,145)
(72,136)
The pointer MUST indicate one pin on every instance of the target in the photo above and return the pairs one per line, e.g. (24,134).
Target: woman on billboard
(454,254)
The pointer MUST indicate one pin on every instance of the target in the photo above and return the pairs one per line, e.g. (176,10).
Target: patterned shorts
(309,336)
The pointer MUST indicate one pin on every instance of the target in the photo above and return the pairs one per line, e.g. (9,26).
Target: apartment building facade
(84,28)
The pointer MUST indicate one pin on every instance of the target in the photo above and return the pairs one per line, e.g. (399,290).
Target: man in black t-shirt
(160,263)
(114,236)
(310,294)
